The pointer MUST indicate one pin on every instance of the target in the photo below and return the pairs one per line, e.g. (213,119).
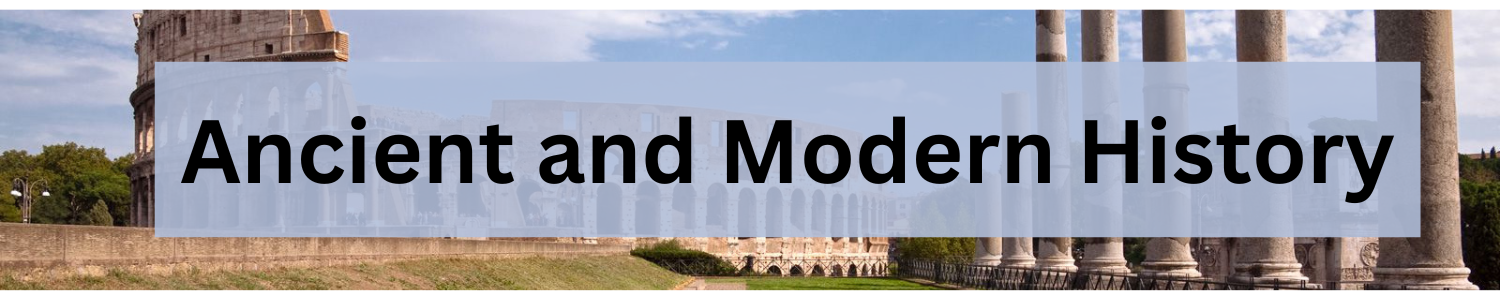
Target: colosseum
(845,212)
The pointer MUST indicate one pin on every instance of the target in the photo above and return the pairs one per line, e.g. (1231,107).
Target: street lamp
(22,191)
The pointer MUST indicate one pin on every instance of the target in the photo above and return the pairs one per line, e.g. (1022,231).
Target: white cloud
(1210,33)
(1314,35)
(721,45)
(1129,34)
(528,35)
(67,76)
(691,44)
(1476,54)
(66,58)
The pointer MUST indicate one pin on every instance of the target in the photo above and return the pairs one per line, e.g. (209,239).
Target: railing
(1008,278)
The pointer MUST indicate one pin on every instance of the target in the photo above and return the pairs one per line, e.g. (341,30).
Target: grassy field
(823,283)
(586,273)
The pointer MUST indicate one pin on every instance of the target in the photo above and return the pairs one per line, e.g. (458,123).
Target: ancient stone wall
(33,251)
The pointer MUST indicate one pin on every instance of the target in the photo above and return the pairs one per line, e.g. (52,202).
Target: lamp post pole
(21,188)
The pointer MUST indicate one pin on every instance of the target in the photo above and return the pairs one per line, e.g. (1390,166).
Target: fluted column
(1054,252)
(1104,255)
(1016,207)
(1434,260)
(1164,39)
(1260,36)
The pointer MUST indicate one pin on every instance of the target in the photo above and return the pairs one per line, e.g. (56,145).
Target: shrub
(672,256)
(952,250)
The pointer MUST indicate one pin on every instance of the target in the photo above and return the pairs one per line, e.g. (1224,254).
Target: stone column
(1104,255)
(1056,251)
(988,250)
(1434,260)
(1016,204)
(1260,36)
(1165,40)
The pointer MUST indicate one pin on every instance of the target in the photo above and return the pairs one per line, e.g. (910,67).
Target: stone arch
(852,228)
(685,205)
(819,216)
(747,214)
(836,217)
(773,270)
(853,270)
(836,271)
(647,209)
(276,109)
(718,206)
(531,211)
(799,211)
(614,163)
(775,216)
(315,104)
(608,204)
(818,270)
(796,271)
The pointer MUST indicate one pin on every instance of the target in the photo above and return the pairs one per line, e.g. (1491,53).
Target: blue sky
(68,74)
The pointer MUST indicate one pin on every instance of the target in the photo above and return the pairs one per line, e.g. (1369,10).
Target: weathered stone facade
(216,36)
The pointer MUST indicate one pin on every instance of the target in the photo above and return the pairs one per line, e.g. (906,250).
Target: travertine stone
(1104,255)
(1016,217)
(1054,253)
(1261,37)
(1434,260)
(988,250)
(1164,40)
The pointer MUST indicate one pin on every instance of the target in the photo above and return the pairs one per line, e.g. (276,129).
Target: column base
(988,260)
(1421,279)
(1064,265)
(1170,269)
(1269,276)
(1025,262)
(1103,267)
(1267,273)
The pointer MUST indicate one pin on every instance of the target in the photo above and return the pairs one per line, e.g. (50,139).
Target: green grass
(582,273)
(823,283)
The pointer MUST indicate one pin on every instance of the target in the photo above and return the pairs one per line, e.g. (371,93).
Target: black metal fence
(1006,278)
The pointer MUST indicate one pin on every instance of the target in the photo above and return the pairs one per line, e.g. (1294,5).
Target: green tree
(1480,221)
(99,215)
(1481,232)
(81,181)
(119,207)
(13,164)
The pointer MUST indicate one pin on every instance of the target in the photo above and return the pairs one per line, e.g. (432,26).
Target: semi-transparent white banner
(787,149)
